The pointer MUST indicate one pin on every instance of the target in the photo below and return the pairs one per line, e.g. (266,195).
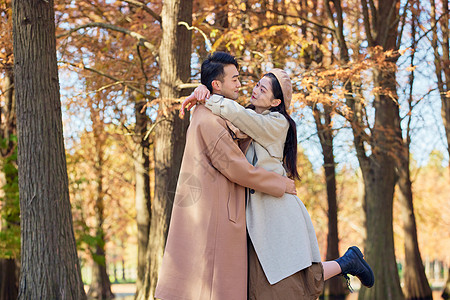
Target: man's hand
(200,94)
(290,186)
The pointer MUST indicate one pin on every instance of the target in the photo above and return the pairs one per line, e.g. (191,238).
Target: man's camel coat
(206,251)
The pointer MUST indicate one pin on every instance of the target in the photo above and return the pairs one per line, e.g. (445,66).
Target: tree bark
(379,170)
(445,69)
(443,79)
(142,187)
(100,287)
(49,264)
(9,282)
(378,167)
(8,279)
(221,19)
(446,292)
(10,223)
(442,71)
(8,111)
(379,181)
(416,285)
(170,132)
(334,287)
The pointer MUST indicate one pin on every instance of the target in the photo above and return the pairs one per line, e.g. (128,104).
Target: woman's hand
(290,186)
(188,103)
(200,94)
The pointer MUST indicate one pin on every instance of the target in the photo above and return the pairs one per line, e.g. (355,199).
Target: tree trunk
(379,181)
(9,282)
(142,198)
(442,71)
(124,278)
(8,279)
(446,292)
(378,169)
(416,285)
(221,19)
(443,79)
(100,287)
(334,287)
(445,96)
(8,112)
(170,132)
(10,224)
(49,264)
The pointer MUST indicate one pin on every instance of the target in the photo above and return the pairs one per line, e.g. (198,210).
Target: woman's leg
(330,269)
(353,263)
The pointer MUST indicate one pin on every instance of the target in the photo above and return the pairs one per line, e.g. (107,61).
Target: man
(206,250)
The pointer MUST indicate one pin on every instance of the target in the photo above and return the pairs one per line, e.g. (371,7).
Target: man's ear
(216,85)
(275,102)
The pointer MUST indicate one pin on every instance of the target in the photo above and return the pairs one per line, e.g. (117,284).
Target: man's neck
(220,94)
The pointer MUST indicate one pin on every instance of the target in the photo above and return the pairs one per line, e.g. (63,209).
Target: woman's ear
(275,102)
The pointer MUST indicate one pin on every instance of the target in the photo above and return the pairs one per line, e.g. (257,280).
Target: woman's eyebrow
(264,87)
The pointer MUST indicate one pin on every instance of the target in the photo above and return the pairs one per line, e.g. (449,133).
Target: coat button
(252,191)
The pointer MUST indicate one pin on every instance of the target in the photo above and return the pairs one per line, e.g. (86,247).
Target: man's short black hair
(212,67)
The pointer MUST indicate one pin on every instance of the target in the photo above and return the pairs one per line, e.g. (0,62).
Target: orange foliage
(6,47)
(432,210)
(118,187)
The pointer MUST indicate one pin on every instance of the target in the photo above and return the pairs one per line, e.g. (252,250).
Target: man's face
(229,86)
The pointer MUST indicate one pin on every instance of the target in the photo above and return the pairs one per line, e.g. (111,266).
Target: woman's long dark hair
(290,146)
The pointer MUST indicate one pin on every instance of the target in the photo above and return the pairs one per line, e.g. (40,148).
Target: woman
(284,258)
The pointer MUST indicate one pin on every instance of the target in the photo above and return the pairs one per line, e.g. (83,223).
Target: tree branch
(132,87)
(9,88)
(146,8)
(374,12)
(183,86)
(142,40)
(297,17)
(390,27)
(403,22)
(330,14)
(207,41)
(357,124)
(433,27)
(141,62)
(367,23)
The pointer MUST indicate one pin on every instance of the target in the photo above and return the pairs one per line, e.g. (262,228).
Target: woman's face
(262,95)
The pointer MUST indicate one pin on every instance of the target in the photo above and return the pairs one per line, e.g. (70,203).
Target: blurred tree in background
(366,78)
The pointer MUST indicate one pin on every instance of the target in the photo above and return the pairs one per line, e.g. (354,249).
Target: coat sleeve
(229,160)
(265,129)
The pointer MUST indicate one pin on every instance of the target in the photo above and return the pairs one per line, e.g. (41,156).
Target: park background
(371,102)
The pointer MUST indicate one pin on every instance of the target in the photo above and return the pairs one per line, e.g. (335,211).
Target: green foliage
(9,202)
(87,242)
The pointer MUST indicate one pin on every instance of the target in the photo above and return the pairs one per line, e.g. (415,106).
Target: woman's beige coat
(280,228)
(206,251)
